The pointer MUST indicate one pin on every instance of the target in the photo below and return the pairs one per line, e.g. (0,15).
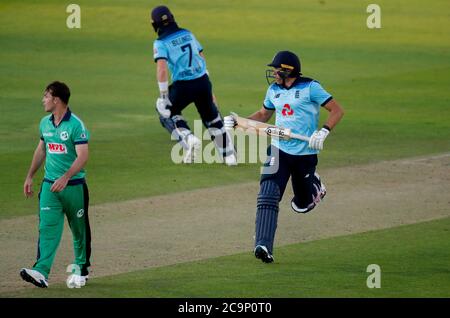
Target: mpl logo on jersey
(287,110)
(56,148)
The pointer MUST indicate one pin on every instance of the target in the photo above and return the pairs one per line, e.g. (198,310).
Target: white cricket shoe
(263,254)
(76,281)
(193,151)
(231,160)
(323,190)
(34,277)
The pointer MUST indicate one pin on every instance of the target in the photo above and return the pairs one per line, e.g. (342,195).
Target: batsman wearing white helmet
(178,51)
(296,102)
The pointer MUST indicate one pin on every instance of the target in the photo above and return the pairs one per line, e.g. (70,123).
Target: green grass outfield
(392,82)
(411,265)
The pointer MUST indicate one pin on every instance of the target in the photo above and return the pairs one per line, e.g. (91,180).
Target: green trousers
(73,203)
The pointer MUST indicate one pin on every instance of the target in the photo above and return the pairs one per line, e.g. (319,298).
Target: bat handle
(301,137)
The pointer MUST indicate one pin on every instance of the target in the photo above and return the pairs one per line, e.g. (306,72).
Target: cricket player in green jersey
(64,147)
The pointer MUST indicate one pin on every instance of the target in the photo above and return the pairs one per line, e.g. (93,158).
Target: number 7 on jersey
(188,46)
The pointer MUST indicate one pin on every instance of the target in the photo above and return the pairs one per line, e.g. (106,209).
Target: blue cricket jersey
(296,108)
(182,52)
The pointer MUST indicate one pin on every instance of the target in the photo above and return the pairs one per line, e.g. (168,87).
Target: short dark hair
(59,89)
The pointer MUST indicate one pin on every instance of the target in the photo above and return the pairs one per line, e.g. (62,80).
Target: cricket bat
(266,129)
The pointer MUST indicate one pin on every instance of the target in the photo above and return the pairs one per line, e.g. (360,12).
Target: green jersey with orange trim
(60,142)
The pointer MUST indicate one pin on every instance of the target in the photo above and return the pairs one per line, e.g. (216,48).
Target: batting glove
(162,106)
(229,122)
(317,138)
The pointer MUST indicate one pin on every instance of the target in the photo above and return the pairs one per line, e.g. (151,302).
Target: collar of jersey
(171,29)
(297,81)
(65,118)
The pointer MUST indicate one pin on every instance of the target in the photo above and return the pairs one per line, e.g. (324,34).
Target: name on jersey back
(181,40)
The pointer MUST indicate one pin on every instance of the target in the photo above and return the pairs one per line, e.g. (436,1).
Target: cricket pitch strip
(199,224)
